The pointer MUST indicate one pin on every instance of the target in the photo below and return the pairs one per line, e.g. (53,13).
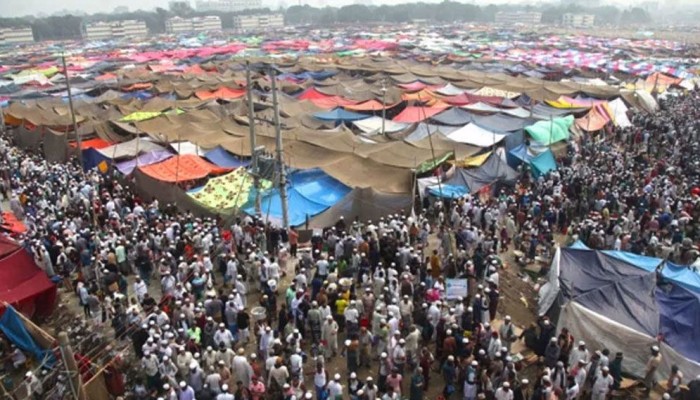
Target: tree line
(70,27)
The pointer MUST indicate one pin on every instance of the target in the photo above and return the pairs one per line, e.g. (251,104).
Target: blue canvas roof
(219,156)
(683,275)
(680,319)
(339,115)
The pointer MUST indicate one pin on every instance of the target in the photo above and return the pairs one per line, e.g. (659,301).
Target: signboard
(455,288)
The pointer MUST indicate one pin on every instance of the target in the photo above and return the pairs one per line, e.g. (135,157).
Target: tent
(365,204)
(543,163)
(612,299)
(182,168)
(219,156)
(22,283)
(227,192)
(373,126)
(492,171)
(476,136)
(412,114)
(551,131)
(339,115)
(309,193)
(454,117)
(151,157)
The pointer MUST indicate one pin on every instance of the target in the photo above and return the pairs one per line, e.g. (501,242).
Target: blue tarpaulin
(219,156)
(543,163)
(680,320)
(13,327)
(339,115)
(309,193)
(448,191)
(682,275)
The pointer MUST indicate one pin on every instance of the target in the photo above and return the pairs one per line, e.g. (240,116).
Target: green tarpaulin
(431,164)
(552,131)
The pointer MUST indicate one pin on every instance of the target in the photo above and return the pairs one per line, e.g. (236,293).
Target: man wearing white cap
(470,381)
(507,333)
(335,389)
(225,394)
(504,392)
(650,370)
(186,392)
(329,336)
(602,385)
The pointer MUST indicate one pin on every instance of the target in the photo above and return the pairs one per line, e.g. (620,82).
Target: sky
(18,8)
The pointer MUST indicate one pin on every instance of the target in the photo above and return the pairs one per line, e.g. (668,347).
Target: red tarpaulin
(417,114)
(223,93)
(22,283)
(369,105)
(12,224)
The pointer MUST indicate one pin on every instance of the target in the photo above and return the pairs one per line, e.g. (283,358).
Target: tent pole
(78,139)
(251,130)
(280,160)
(430,140)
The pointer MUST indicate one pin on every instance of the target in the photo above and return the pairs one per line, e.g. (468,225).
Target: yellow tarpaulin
(473,161)
(228,191)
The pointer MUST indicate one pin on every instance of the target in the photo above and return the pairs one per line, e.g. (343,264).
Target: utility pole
(74,378)
(72,111)
(280,161)
(383,107)
(251,128)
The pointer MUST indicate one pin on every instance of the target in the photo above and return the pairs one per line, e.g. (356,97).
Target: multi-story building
(198,24)
(228,5)
(258,22)
(578,20)
(115,30)
(518,17)
(16,35)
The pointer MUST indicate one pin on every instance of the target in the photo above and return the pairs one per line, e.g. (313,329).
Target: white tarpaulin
(476,136)
(130,149)
(600,332)
(187,147)
(373,125)
(450,90)
(619,110)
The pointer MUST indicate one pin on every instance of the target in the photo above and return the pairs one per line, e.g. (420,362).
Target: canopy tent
(476,136)
(187,148)
(492,171)
(551,131)
(619,110)
(413,114)
(339,115)
(222,158)
(309,193)
(686,276)
(373,126)
(612,299)
(23,284)
(148,158)
(228,192)
(182,168)
(543,163)
(365,204)
(129,149)
(453,117)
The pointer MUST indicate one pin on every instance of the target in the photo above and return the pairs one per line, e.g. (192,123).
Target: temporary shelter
(494,170)
(363,203)
(615,300)
(22,283)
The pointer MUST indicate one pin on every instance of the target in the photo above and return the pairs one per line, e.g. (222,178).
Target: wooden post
(74,378)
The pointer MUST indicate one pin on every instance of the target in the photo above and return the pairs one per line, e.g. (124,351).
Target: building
(578,20)
(115,30)
(518,17)
(16,35)
(199,24)
(258,22)
(228,5)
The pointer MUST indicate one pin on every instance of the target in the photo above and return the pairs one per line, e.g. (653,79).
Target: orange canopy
(186,167)
(95,143)
(222,93)
(595,120)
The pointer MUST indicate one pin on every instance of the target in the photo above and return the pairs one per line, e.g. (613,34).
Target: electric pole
(280,159)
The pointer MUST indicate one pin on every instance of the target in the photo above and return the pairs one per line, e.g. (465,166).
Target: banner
(455,288)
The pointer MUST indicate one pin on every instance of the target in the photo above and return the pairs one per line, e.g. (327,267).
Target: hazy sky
(18,8)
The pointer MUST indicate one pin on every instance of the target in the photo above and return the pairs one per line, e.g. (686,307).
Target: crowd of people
(215,310)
